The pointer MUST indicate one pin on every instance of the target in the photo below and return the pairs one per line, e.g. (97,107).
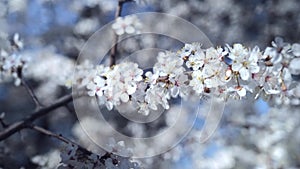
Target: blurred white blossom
(127,25)
(13,62)
(49,160)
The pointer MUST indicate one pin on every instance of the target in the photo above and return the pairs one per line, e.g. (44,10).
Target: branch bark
(57,136)
(17,126)
(67,141)
(31,93)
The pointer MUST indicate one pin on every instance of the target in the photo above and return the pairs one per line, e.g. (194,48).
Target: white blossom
(244,62)
(198,81)
(13,62)
(296,49)
(240,90)
(277,53)
(168,64)
(195,56)
(128,24)
(294,66)
(125,83)
(157,96)
(96,87)
(47,161)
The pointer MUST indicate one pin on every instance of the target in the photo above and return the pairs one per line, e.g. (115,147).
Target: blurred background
(251,135)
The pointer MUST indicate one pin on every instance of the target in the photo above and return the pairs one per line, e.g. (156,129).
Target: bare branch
(31,93)
(3,123)
(68,141)
(57,136)
(50,134)
(17,126)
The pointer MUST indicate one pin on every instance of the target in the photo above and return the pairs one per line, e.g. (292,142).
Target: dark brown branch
(4,125)
(50,134)
(17,126)
(31,93)
(57,136)
(68,141)
(113,51)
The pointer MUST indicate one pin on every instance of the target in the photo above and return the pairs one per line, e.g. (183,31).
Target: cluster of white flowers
(229,72)
(279,70)
(167,80)
(73,157)
(115,85)
(208,70)
(12,62)
(127,25)
(47,161)
(125,83)
(238,69)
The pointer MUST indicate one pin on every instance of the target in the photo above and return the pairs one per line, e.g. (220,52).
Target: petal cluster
(226,72)
(127,25)
(12,62)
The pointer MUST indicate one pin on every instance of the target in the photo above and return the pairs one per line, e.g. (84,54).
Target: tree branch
(113,51)
(67,141)
(31,93)
(57,136)
(17,126)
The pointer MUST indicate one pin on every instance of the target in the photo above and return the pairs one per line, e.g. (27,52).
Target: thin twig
(4,125)
(68,141)
(17,126)
(237,80)
(57,136)
(113,51)
(50,134)
(31,93)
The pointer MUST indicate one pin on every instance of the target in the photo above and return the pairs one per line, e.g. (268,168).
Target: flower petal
(244,73)
(254,68)
(124,97)
(174,91)
(237,66)
(241,92)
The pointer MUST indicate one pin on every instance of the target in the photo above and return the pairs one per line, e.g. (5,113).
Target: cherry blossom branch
(113,51)
(19,125)
(226,72)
